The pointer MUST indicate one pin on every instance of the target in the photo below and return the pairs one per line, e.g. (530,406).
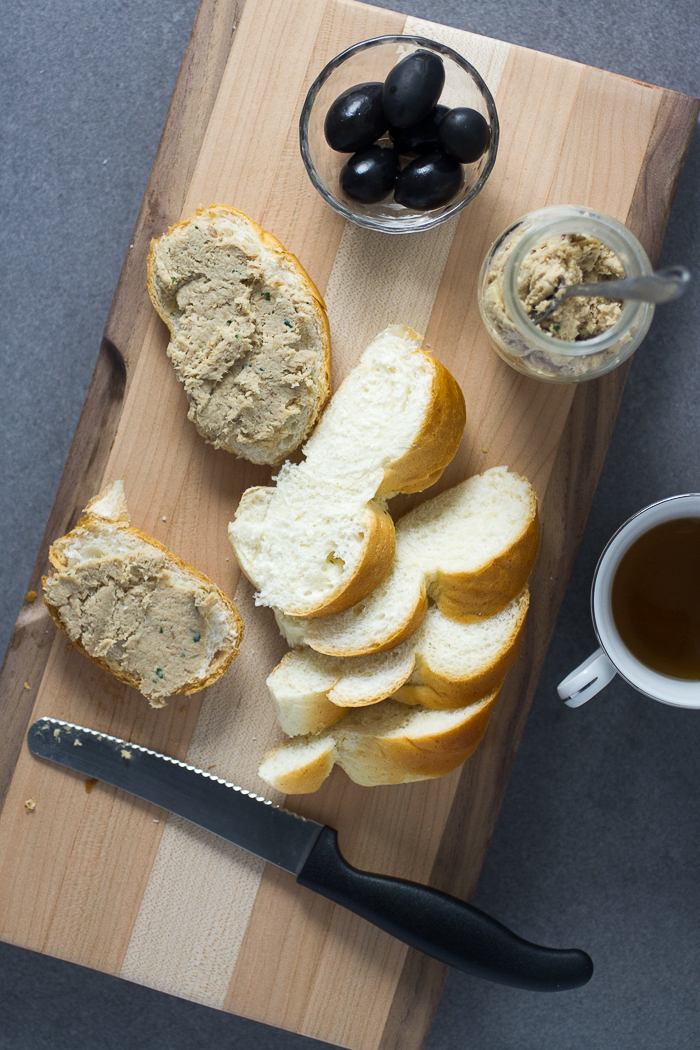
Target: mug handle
(588,679)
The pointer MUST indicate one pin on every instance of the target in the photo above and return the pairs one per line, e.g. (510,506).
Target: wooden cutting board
(107,881)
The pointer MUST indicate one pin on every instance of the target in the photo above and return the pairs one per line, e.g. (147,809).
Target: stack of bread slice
(321,539)
(458,589)
(395,681)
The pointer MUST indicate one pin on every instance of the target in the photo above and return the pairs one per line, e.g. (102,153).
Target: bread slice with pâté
(138,611)
(249,336)
(322,539)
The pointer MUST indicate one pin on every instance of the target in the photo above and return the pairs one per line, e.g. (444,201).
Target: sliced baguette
(322,539)
(135,609)
(249,335)
(444,665)
(470,549)
(385,744)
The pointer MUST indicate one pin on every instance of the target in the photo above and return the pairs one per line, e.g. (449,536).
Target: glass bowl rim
(368,221)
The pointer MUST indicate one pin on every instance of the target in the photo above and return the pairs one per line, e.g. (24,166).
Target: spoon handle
(660,287)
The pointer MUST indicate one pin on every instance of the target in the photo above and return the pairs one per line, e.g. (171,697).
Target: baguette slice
(322,539)
(386,744)
(470,549)
(135,609)
(444,665)
(249,335)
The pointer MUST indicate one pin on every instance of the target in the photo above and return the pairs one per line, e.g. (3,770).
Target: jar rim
(562,219)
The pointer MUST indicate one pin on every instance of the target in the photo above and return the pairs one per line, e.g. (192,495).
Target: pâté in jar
(536,256)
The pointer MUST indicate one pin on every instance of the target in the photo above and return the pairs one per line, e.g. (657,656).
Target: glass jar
(515,336)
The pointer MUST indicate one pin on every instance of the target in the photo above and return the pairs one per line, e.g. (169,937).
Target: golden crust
(466,597)
(438,440)
(409,626)
(270,242)
(383,758)
(307,777)
(429,689)
(379,545)
(426,757)
(58,561)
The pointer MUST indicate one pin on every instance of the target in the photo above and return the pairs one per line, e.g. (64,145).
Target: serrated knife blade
(240,816)
(425,918)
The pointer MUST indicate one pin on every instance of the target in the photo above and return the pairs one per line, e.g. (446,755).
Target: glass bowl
(371,60)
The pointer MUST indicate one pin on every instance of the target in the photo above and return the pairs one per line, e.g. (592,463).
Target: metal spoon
(660,287)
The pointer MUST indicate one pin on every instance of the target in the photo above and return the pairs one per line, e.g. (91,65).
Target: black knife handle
(440,925)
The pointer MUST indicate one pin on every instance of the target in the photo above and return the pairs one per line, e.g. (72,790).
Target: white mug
(614,657)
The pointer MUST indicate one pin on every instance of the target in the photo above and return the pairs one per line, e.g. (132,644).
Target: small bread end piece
(299,770)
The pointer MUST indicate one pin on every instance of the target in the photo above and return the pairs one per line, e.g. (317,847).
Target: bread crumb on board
(30,597)
(90,783)
(27,685)
(30,805)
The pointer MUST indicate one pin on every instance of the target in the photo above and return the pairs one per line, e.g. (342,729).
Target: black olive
(356,118)
(419,138)
(464,134)
(412,88)
(369,176)
(429,182)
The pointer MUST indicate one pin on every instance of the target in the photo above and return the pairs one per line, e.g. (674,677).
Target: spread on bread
(321,539)
(134,608)
(249,335)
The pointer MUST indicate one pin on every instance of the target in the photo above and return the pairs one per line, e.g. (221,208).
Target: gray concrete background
(597,842)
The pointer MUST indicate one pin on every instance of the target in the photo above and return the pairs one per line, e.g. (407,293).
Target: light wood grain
(101,879)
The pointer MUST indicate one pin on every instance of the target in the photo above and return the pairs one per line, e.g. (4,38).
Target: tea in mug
(656,598)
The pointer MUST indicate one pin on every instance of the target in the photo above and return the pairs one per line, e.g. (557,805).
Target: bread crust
(464,597)
(59,562)
(308,776)
(403,631)
(412,677)
(378,554)
(468,597)
(212,212)
(374,759)
(416,757)
(437,441)
(436,691)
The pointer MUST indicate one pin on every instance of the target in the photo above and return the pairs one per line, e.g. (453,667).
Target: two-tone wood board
(109,882)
